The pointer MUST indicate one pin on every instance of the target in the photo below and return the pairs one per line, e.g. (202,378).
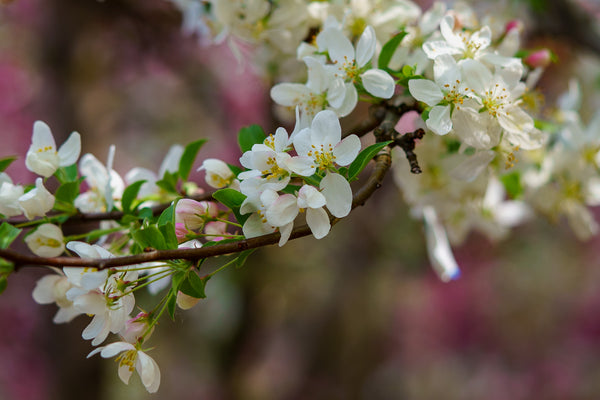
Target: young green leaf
(389,49)
(363,159)
(168,215)
(67,174)
(172,303)
(193,285)
(249,136)
(3,283)
(512,184)
(241,259)
(6,161)
(8,234)
(150,236)
(129,195)
(169,182)
(188,157)
(232,199)
(65,196)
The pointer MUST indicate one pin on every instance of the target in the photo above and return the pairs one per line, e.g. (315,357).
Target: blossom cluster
(490,159)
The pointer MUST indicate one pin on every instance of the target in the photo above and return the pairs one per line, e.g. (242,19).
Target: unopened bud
(541,58)
(514,24)
(136,327)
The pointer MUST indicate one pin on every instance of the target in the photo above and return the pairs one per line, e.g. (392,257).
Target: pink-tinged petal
(426,91)
(70,150)
(301,165)
(378,83)
(438,247)
(283,211)
(289,94)
(310,197)
(285,232)
(149,372)
(346,151)
(325,128)
(338,193)
(365,47)
(318,222)
(439,120)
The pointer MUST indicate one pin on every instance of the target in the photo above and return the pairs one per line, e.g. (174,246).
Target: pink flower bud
(136,327)
(541,58)
(215,230)
(186,302)
(514,24)
(181,231)
(193,214)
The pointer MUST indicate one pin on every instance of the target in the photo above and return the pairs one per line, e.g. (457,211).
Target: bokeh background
(356,315)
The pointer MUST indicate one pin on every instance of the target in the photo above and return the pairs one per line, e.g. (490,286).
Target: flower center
(274,171)
(494,100)
(127,359)
(323,158)
(452,94)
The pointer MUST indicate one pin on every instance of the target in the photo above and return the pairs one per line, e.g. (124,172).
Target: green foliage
(67,174)
(169,182)
(187,158)
(65,196)
(389,49)
(232,199)
(8,234)
(149,236)
(363,159)
(249,136)
(193,285)
(242,257)
(166,225)
(512,184)
(5,162)
(6,268)
(129,195)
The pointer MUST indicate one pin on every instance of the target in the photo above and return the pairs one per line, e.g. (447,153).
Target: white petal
(379,83)
(338,193)
(477,75)
(337,44)
(301,165)
(70,150)
(289,94)
(436,48)
(439,120)
(366,47)
(318,78)
(149,371)
(472,165)
(285,232)
(283,210)
(515,120)
(318,222)
(310,197)
(336,92)
(325,128)
(346,151)
(42,136)
(43,293)
(438,247)
(350,101)
(426,91)
(254,227)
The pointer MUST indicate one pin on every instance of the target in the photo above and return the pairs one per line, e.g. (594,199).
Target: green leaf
(172,303)
(150,236)
(241,259)
(8,234)
(291,189)
(6,267)
(232,199)
(168,215)
(6,161)
(512,184)
(389,49)
(364,157)
(3,283)
(188,157)
(67,174)
(193,286)
(130,194)
(168,232)
(235,169)
(169,182)
(65,196)
(249,136)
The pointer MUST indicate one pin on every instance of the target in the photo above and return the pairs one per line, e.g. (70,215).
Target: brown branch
(383,162)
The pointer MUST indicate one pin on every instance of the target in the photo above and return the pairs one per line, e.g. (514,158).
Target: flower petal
(365,47)
(318,222)
(426,91)
(70,150)
(338,193)
(346,151)
(379,83)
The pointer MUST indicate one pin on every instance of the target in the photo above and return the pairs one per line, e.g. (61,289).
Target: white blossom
(43,158)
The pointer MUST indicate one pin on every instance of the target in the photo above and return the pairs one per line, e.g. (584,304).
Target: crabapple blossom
(43,158)
(218,174)
(9,196)
(37,202)
(53,288)
(46,241)
(132,359)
